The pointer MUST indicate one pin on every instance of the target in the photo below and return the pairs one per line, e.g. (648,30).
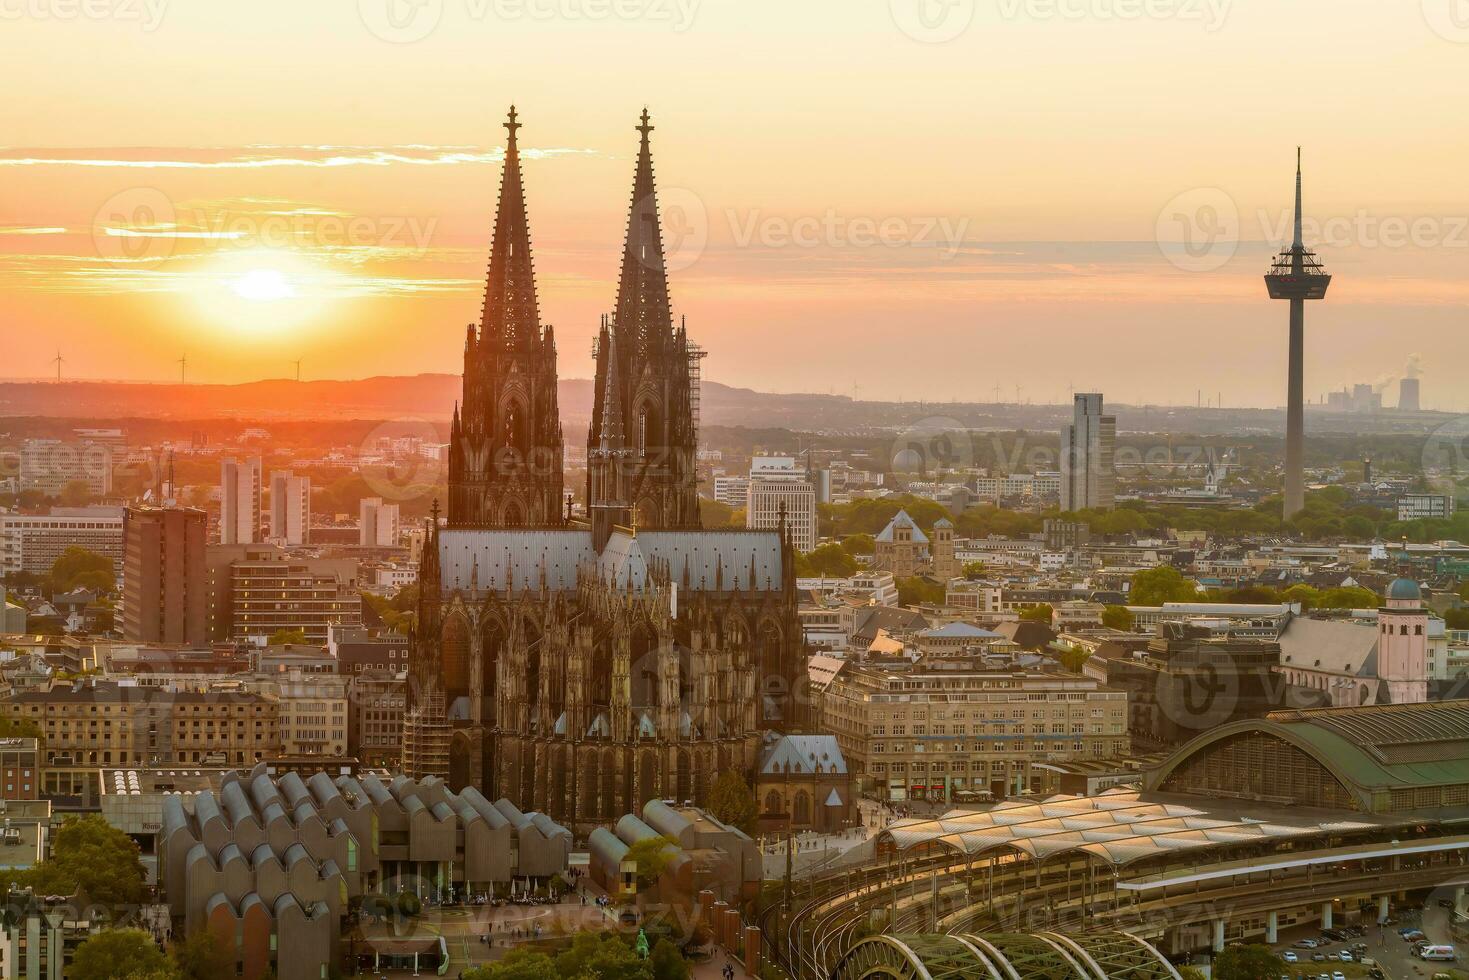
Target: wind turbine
(183,363)
(297,362)
(58,360)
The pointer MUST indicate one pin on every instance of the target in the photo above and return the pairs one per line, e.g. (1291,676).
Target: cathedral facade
(581,668)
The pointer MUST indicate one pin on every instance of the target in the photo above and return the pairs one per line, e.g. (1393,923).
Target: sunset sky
(893,198)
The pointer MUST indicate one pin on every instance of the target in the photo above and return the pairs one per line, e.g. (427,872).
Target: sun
(264,286)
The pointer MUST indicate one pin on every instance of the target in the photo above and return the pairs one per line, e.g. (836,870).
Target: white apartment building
(733,491)
(1419,506)
(778,487)
(49,465)
(290,508)
(33,542)
(239,501)
(378,524)
(1087,447)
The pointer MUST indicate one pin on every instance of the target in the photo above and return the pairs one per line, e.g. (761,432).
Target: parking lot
(1384,946)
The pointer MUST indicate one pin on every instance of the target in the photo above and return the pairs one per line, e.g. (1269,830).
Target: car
(1335,935)
(1338,975)
(1318,957)
(1306,944)
(1290,957)
(1345,956)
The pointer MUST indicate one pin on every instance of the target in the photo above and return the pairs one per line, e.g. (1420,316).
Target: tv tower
(1296,275)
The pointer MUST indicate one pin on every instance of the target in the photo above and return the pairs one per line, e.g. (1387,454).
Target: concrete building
(733,491)
(1418,506)
(1087,447)
(50,466)
(42,932)
(255,592)
(239,501)
(705,855)
(290,508)
(780,490)
(165,595)
(271,866)
(377,699)
(378,523)
(32,542)
(313,713)
(941,733)
(91,722)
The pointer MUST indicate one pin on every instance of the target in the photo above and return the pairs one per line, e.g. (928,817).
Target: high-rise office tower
(1087,445)
(239,501)
(165,597)
(290,508)
(378,523)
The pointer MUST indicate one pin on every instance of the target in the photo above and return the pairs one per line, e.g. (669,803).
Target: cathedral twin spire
(507,431)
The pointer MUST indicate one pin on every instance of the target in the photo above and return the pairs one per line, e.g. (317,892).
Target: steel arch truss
(1044,956)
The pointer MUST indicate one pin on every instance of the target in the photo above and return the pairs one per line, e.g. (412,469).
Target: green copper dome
(1404,588)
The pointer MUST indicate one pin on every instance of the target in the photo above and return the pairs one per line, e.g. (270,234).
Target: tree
(918,590)
(1247,963)
(1072,659)
(1457,619)
(518,964)
(282,638)
(863,545)
(201,956)
(1349,597)
(652,856)
(667,961)
(714,513)
(1041,612)
(830,559)
(1118,618)
(78,568)
(732,802)
(1163,583)
(76,493)
(89,854)
(974,570)
(601,956)
(118,954)
(1191,973)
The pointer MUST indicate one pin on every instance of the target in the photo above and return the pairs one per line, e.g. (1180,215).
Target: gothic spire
(511,317)
(611,416)
(643,314)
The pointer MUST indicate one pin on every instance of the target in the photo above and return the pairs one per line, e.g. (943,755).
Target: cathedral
(583,667)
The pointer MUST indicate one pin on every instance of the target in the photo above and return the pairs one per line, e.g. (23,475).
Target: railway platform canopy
(1039,956)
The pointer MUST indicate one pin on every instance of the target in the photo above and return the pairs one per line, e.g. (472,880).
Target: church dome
(1404,588)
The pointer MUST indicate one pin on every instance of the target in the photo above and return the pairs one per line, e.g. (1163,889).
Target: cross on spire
(645,127)
(511,124)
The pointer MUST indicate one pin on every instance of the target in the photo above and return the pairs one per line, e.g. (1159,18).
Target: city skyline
(327,225)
